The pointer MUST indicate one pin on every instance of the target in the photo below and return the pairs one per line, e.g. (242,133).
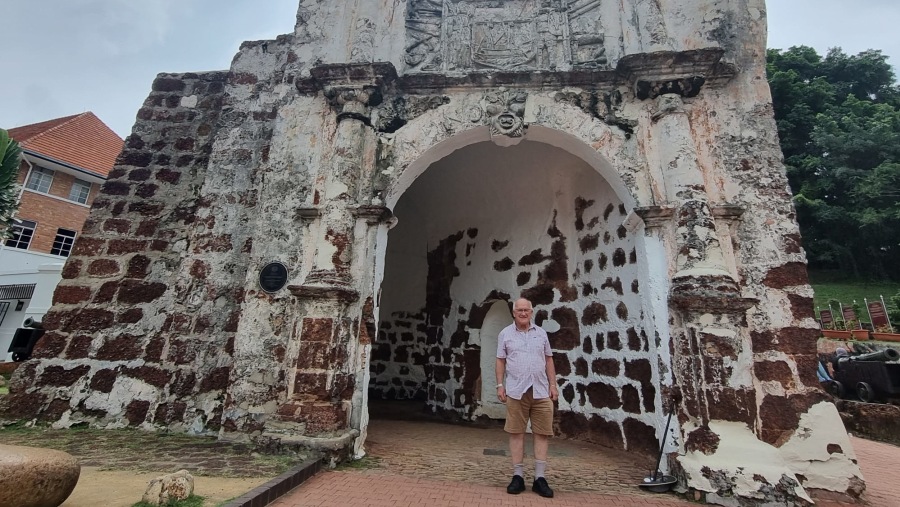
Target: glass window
(62,244)
(21,235)
(80,191)
(40,179)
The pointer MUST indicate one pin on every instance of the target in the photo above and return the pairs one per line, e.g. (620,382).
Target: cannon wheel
(836,389)
(865,392)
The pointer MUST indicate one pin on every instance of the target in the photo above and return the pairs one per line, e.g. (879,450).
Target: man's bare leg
(517,448)
(541,444)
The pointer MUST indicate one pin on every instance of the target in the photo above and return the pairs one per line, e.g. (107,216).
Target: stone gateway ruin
(416,166)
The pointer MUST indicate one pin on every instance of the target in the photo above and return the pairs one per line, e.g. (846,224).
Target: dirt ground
(117,465)
(114,488)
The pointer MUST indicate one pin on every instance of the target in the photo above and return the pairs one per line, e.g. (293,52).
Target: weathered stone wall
(305,149)
(119,348)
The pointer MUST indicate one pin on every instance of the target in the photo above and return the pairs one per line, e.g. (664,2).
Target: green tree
(9,167)
(839,123)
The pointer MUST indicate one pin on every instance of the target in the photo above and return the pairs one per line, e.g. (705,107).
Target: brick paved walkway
(441,465)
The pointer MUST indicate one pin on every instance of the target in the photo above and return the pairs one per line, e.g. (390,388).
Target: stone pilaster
(710,366)
(699,256)
(324,406)
(331,269)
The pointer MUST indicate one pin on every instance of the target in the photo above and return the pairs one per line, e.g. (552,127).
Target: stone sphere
(36,477)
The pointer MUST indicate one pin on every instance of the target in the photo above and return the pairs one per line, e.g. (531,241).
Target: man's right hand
(501,394)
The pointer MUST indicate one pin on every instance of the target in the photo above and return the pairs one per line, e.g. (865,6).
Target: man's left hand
(554,393)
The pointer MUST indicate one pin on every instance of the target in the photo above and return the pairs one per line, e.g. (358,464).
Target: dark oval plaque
(273,277)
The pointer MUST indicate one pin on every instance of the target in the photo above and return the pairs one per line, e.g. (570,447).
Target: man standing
(525,359)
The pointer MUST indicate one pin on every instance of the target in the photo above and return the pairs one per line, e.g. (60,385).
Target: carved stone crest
(503,44)
(472,35)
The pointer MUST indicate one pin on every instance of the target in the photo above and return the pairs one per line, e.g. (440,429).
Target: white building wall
(18,267)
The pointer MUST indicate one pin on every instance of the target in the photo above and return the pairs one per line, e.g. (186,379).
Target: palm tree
(9,167)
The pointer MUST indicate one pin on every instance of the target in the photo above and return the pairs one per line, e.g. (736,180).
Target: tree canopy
(9,168)
(839,123)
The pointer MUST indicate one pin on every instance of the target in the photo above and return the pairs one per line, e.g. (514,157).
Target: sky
(63,57)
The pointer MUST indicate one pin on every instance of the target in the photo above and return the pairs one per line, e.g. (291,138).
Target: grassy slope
(829,286)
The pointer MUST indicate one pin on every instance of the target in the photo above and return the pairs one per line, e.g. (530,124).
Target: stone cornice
(728,211)
(648,74)
(655,216)
(349,75)
(372,214)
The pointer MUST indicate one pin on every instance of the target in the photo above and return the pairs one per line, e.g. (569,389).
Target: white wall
(45,277)
(15,261)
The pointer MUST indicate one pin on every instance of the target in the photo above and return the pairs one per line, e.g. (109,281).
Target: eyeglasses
(522,310)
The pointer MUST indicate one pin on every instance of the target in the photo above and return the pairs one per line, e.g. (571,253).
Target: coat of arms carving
(472,35)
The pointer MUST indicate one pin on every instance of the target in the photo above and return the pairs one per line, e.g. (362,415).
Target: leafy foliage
(9,167)
(839,123)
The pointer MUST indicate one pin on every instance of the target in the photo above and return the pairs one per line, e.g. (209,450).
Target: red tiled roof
(81,140)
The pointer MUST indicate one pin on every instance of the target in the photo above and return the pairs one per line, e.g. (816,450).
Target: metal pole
(843,320)
(871,320)
(886,314)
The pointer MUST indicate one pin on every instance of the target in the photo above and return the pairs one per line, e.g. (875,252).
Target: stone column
(324,406)
(712,371)
(700,263)
(331,269)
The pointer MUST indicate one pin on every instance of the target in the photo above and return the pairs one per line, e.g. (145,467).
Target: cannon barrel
(882,355)
(34,324)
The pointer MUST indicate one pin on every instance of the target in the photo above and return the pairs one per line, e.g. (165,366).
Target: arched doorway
(497,318)
(485,224)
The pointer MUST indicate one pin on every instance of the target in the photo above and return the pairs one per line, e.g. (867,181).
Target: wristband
(499,386)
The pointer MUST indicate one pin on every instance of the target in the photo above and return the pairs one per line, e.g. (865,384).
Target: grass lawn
(828,286)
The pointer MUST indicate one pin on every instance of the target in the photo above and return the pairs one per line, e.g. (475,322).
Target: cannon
(33,324)
(25,338)
(872,377)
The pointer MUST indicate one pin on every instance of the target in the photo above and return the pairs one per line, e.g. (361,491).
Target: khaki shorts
(539,411)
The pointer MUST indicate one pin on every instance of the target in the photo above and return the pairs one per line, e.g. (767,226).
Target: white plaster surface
(755,458)
(807,450)
(497,318)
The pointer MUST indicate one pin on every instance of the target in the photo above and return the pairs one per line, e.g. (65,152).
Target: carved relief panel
(471,35)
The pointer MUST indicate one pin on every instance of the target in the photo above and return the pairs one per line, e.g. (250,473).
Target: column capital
(353,101)
(668,104)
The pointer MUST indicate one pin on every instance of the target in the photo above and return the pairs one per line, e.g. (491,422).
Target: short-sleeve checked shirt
(526,355)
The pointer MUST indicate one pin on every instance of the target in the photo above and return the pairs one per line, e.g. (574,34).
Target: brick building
(64,162)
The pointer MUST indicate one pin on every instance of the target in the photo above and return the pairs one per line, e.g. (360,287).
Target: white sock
(539,467)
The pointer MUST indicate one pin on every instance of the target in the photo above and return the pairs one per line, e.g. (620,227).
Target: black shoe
(541,487)
(517,485)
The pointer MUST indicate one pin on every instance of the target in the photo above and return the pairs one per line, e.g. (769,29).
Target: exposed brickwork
(418,357)
(121,269)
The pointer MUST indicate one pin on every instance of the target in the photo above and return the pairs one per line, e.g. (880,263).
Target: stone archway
(485,223)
